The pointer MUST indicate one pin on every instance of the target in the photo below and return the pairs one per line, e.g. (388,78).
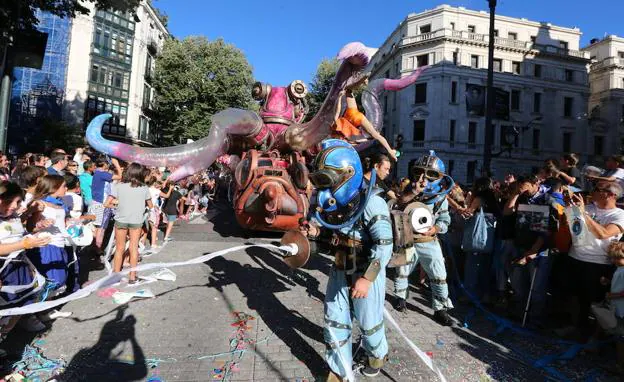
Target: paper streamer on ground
(116,277)
(415,348)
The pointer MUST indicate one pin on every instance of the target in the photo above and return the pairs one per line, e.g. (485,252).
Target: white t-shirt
(597,252)
(76,211)
(154,194)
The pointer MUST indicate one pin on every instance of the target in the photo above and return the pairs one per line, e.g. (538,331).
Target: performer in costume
(354,220)
(429,185)
(349,125)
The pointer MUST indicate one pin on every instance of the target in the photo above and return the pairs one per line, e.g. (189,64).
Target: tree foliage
(194,79)
(17,15)
(321,84)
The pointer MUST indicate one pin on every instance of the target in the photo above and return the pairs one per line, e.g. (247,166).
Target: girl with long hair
(132,195)
(53,260)
(15,268)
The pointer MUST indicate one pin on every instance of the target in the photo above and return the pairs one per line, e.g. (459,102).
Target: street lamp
(510,136)
(489,112)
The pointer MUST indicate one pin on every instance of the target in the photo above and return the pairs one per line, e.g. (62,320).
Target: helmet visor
(428,173)
(324,179)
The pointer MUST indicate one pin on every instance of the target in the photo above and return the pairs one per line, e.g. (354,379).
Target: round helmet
(431,167)
(338,175)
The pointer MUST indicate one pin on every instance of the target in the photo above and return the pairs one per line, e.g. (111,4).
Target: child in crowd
(101,177)
(86,179)
(171,209)
(156,194)
(28,181)
(52,260)
(17,269)
(132,196)
(72,199)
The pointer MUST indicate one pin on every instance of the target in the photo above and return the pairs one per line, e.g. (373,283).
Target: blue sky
(285,40)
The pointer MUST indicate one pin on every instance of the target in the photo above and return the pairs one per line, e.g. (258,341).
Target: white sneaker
(32,324)
(53,315)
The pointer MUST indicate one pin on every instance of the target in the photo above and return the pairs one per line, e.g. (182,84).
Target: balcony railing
(608,62)
(498,41)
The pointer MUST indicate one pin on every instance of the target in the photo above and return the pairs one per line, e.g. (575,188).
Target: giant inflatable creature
(271,178)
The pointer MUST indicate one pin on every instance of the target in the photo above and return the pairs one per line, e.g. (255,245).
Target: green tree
(17,15)
(321,84)
(194,79)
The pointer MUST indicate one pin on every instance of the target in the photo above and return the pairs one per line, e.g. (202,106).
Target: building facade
(101,62)
(541,86)
(115,77)
(606,101)
(39,94)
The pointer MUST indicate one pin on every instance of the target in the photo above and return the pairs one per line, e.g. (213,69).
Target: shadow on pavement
(259,286)
(102,361)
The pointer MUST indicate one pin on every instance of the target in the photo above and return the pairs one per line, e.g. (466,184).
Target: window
(533,39)
(385,102)
(569,75)
(567,142)
(621,54)
(472,29)
(515,67)
(421,93)
(112,42)
(472,134)
(568,104)
(425,29)
(512,35)
(563,45)
(452,133)
(498,65)
(471,168)
(537,102)
(495,32)
(453,91)
(144,134)
(452,26)
(474,61)
(147,96)
(113,126)
(598,145)
(396,69)
(455,58)
(394,100)
(451,166)
(419,132)
(515,100)
(149,66)
(537,70)
(421,60)
(109,79)
(536,139)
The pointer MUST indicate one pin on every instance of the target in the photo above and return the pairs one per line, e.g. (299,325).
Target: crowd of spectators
(50,204)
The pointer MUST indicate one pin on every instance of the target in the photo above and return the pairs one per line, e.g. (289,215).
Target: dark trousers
(583,281)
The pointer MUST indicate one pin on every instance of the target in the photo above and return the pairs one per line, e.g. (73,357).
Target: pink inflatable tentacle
(192,157)
(370,96)
(301,137)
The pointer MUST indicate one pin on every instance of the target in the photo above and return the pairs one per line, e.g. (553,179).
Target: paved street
(247,316)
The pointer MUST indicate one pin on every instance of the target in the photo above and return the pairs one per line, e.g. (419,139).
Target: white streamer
(116,277)
(423,356)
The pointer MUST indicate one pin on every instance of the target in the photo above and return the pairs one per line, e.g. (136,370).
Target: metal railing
(498,41)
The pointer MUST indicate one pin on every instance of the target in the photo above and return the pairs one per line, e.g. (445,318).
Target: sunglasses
(427,172)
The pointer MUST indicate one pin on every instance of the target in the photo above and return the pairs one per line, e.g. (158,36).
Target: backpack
(479,234)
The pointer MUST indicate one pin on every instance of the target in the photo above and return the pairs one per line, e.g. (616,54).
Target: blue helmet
(434,171)
(338,175)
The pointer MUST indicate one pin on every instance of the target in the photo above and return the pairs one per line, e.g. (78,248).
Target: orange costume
(348,125)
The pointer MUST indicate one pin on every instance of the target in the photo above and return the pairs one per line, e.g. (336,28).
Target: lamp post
(489,111)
